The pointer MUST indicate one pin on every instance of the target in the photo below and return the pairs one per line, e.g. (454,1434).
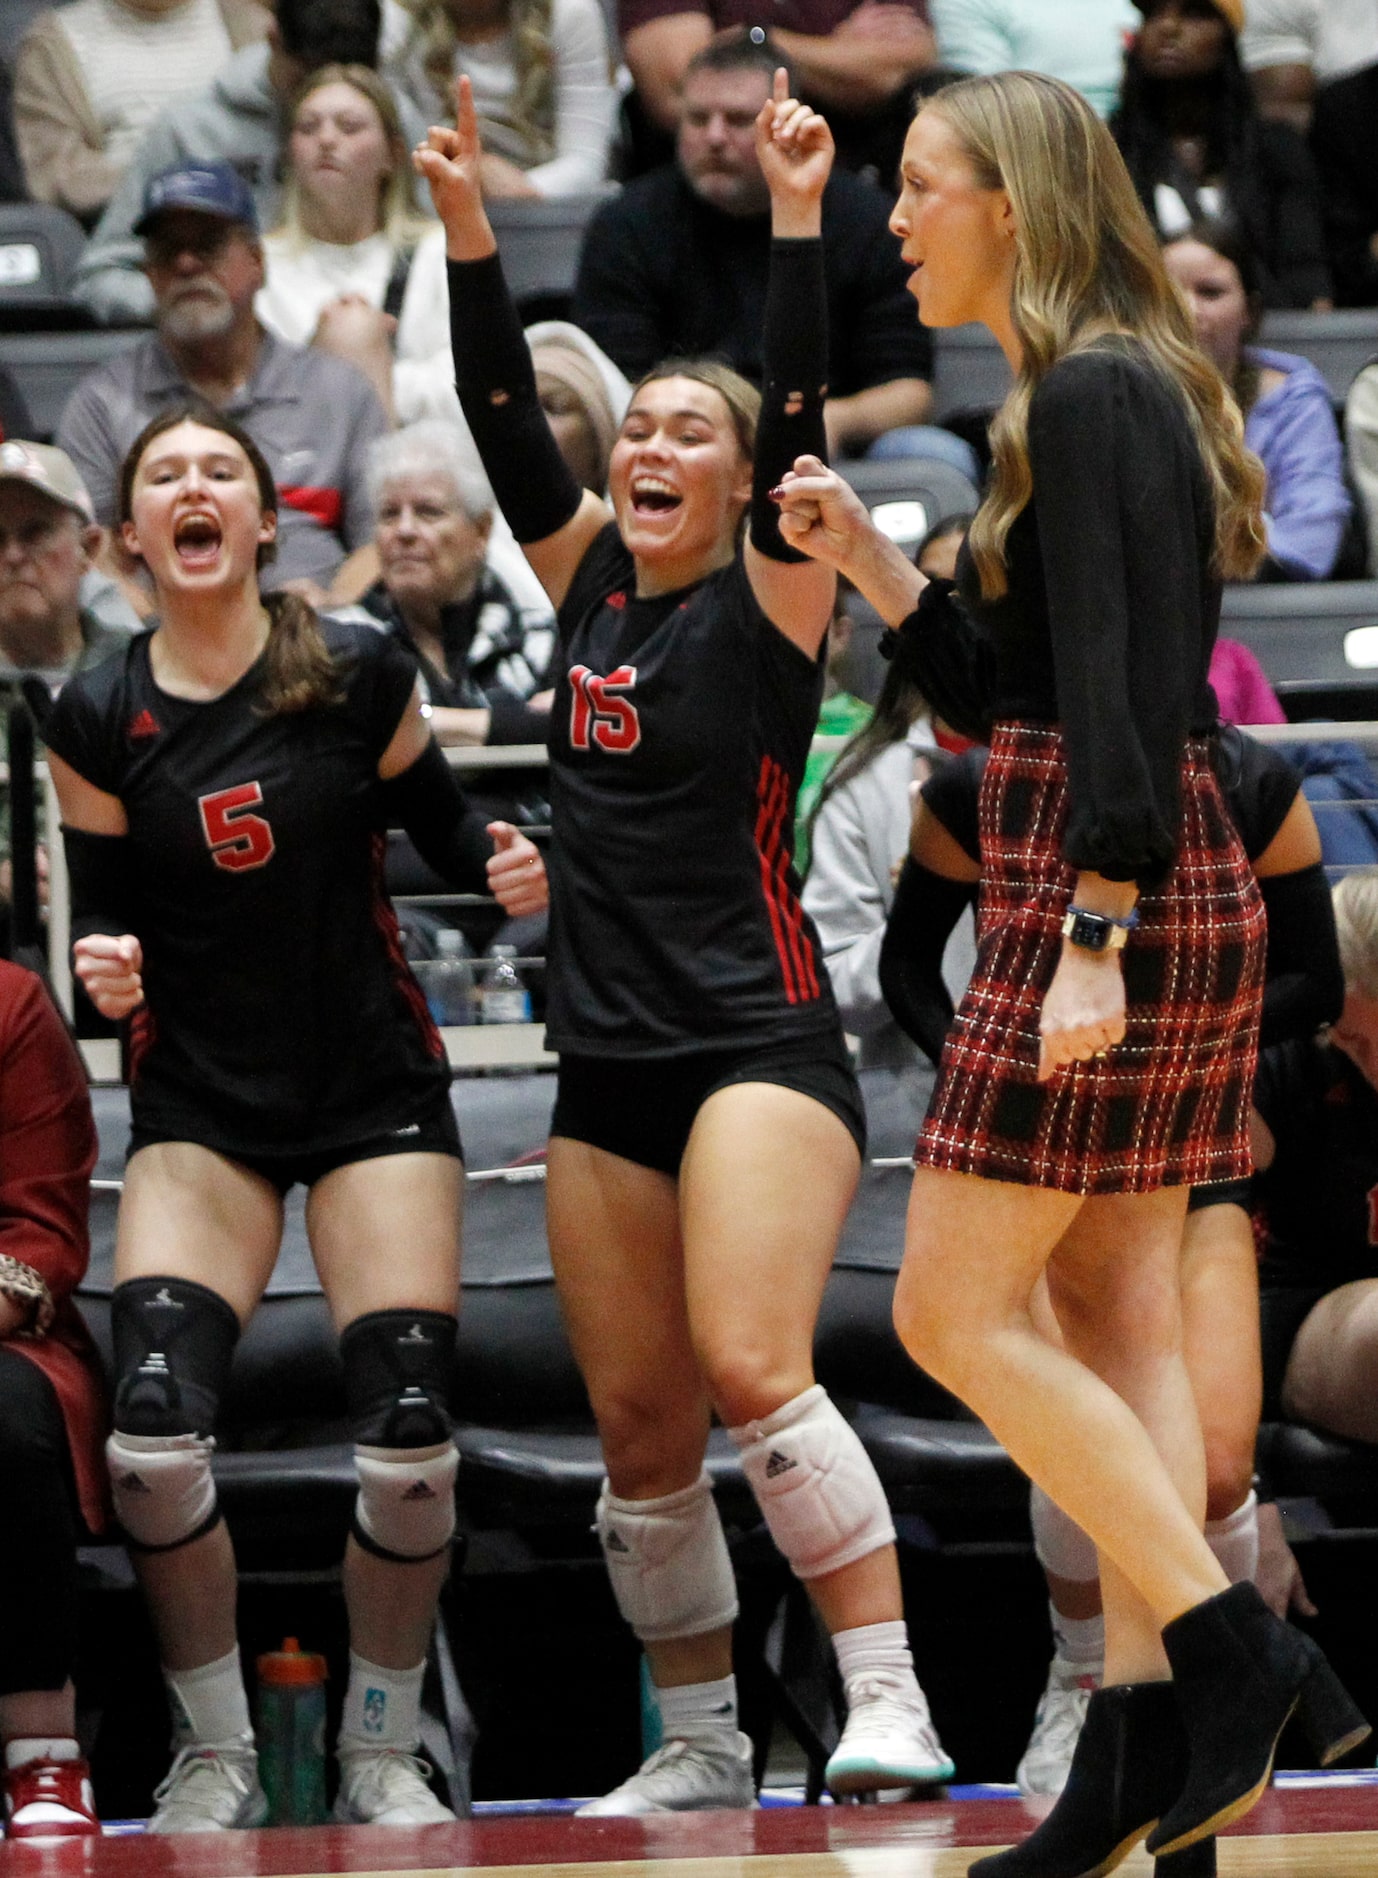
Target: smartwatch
(1097,932)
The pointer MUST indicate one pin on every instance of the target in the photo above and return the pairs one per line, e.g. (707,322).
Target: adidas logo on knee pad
(778,1464)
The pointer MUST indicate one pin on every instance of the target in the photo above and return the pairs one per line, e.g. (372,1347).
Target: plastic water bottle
(448,980)
(291,1734)
(504,998)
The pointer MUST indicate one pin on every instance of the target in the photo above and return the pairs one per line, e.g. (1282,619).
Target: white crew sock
(876,1653)
(209,1704)
(693,1711)
(382,1707)
(1234,1541)
(26,1748)
(1079,1642)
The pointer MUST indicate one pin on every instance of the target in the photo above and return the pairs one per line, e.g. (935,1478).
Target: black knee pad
(174,1341)
(397,1371)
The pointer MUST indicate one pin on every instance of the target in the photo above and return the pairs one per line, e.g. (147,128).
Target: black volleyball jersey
(678,739)
(1320,1196)
(279,1011)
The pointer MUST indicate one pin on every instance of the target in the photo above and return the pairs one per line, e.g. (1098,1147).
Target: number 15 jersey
(679,732)
(279,1011)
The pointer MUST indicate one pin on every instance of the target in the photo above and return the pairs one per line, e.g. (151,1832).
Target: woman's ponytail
(300,673)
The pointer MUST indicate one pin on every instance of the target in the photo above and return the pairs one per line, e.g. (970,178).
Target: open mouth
(651,495)
(196,539)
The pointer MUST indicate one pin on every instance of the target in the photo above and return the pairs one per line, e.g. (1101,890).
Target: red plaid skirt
(1169,1106)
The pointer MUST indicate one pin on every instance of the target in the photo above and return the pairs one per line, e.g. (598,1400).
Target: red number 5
(237,839)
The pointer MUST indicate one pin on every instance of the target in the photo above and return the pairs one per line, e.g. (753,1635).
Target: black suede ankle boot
(1128,1768)
(1239,1672)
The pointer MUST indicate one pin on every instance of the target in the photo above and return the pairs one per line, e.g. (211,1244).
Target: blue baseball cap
(208,188)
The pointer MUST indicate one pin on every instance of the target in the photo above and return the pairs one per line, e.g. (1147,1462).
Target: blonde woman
(351,238)
(1101,1060)
(542,83)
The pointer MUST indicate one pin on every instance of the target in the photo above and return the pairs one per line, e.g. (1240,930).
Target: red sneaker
(50,1800)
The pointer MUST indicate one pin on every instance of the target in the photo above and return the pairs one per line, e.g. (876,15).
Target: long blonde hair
(398,216)
(532,110)
(1087,265)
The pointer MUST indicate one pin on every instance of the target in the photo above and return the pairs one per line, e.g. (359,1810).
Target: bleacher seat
(39,249)
(910,495)
(970,372)
(48,366)
(1338,344)
(539,241)
(1316,640)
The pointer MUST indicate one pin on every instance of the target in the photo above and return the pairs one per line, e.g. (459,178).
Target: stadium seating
(48,366)
(539,241)
(910,495)
(39,250)
(969,371)
(1337,344)
(1317,642)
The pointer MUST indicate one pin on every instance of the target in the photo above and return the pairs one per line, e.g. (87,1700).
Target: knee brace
(815,1485)
(1060,1545)
(174,1342)
(668,1562)
(397,1368)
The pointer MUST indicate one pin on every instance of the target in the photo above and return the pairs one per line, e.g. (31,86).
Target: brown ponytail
(301,673)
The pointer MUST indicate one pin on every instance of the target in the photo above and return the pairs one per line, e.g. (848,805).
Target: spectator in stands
(238,120)
(1289,421)
(91,77)
(859,60)
(859,836)
(677,264)
(14,412)
(12,185)
(1344,140)
(583,395)
(1080,41)
(48,536)
(313,416)
(543,85)
(352,266)
(51,1410)
(1293,49)
(1196,147)
(1318,1152)
(482,663)
(1361,437)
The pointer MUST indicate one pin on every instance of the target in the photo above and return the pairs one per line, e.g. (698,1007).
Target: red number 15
(236,838)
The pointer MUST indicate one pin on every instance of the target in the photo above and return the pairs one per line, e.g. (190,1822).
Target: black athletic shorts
(643,1108)
(435,1133)
(1282,1310)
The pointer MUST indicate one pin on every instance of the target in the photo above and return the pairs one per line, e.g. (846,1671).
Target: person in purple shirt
(1288,418)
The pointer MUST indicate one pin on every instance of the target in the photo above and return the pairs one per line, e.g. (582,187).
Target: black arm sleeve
(1304,987)
(940,649)
(449,836)
(926,908)
(99,872)
(795,355)
(496,382)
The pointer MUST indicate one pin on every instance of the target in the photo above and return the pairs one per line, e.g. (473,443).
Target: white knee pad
(163,1490)
(815,1485)
(1060,1545)
(406,1506)
(668,1562)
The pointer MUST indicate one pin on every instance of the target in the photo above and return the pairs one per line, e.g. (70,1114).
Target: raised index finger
(781,89)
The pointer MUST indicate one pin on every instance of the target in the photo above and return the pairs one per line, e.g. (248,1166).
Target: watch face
(1090,931)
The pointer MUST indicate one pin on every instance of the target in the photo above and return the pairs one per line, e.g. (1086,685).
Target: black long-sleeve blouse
(1111,611)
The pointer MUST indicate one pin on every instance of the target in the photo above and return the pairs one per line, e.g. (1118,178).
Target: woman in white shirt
(542,79)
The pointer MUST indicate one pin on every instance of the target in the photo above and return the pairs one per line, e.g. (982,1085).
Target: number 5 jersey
(279,1011)
(678,736)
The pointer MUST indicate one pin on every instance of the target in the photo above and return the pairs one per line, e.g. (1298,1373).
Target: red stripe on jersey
(767,835)
(385,919)
(325,506)
(794,913)
(143,1034)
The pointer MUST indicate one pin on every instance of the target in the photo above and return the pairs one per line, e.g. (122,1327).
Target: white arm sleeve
(585,102)
(1279,32)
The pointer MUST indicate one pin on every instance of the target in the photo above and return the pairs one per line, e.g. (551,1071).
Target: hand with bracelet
(1084,1009)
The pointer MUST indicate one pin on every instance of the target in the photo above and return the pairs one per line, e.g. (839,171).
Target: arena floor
(1321,1828)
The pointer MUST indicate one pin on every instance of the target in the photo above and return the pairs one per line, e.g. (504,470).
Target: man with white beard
(312,415)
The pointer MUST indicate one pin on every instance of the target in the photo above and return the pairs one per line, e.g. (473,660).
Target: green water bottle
(291,1734)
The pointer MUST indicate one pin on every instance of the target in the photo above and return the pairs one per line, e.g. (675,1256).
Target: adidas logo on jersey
(778,1464)
(142,727)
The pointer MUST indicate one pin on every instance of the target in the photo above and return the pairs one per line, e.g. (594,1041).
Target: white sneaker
(212,1787)
(684,1777)
(889,1741)
(383,1786)
(1057,1724)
